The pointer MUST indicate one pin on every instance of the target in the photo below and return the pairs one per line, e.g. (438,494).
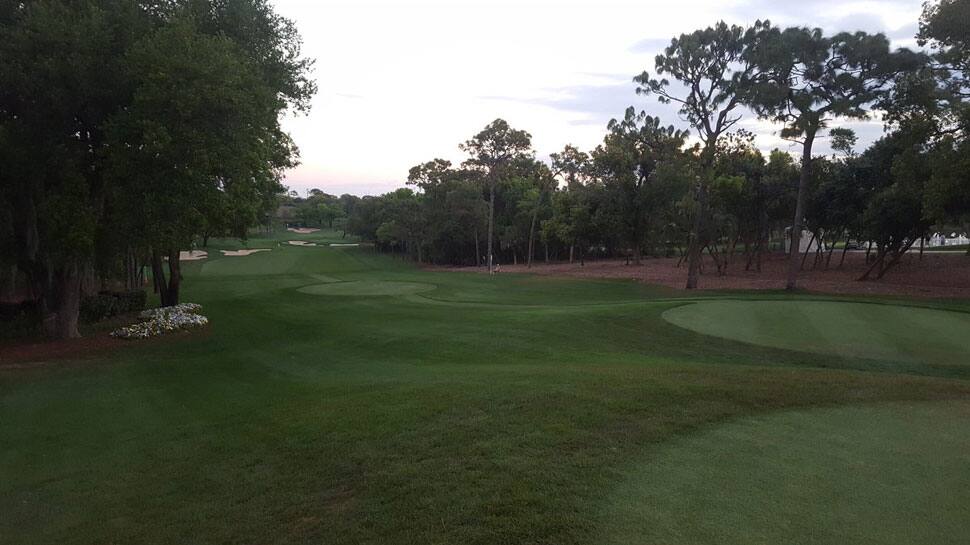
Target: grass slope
(510,409)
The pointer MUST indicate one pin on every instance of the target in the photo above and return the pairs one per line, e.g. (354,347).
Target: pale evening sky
(403,82)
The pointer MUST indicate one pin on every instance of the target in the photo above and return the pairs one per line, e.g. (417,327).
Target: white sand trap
(339,245)
(243,252)
(300,243)
(302,230)
(193,255)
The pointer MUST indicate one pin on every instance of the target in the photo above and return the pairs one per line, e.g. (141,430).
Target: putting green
(367,287)
(883,474)
(885,332)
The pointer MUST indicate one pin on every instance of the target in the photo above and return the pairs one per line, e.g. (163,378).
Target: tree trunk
(796,231)
(762,246)
(158,276)
(895,259)
(877,262)
(844,250)
(168,289)
(491,221)
(805,254)
(532,228)
(571,248)
(61,322)
(478,251)
(828,258)
(545,243)
(730,255)
(174,278)
(695,245)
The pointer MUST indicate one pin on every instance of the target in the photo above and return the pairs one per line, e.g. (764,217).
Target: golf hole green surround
(861,330)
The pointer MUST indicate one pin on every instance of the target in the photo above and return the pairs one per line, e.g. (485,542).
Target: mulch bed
(29,354)
(21,354)
(936,275)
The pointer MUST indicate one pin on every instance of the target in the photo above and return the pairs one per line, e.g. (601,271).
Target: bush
(134,300)
(19,319)
(106,304)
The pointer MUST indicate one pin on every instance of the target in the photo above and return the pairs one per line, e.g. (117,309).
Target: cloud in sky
(402,82)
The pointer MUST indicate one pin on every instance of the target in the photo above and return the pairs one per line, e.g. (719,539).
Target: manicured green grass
(879,474)
(510,409)
(360,288)
(858,330)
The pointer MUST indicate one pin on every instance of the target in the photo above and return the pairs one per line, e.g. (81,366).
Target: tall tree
(124,116)
(544,182)
(640,162)
(494,153)
(62,77)
(809,79)
(715,74)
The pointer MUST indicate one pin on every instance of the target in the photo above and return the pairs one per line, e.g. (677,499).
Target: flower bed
(160,321)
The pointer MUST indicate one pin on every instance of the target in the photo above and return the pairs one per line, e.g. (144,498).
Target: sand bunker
(243,252)
(367,287)
(300,243)
(193,255)
(343,245)
(302,230)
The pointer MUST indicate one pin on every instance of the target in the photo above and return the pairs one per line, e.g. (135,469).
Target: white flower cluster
(159,321)
(181,308)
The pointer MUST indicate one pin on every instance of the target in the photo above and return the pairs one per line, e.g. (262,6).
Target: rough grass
(510,409)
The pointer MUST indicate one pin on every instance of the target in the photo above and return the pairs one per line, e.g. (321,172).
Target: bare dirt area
(935,275)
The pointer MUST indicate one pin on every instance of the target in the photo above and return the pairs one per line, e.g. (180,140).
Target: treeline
(650,190)
(130,130)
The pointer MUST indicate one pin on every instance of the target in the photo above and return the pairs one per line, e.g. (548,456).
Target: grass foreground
(340,396)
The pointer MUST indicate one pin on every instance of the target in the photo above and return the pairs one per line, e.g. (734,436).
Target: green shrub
(106,304)
(95,308)
(19,319)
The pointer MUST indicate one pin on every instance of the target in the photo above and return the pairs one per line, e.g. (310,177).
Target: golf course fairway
(340,396)
(880,475)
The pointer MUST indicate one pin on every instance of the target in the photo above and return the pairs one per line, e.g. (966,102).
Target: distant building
(806,242)
(938,240)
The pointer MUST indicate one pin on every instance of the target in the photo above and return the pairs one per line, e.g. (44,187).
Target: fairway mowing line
(367,288)
(325,279)
(424,299)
